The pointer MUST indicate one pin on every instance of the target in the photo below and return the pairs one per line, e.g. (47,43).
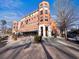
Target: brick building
(39,22)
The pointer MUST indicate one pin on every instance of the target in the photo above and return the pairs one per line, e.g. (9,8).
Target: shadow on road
(14,47)
(2,44)
(47,53)
(63,51)
(3,41)
(15,53)
(71,56)
(76,42)
(73,48)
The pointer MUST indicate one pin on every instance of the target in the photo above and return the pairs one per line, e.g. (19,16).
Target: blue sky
(17,9)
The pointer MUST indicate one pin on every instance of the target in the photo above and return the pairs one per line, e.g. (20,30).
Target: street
(62,51)
(47,49)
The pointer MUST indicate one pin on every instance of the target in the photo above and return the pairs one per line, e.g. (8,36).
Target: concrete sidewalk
(67,43)
(14,44)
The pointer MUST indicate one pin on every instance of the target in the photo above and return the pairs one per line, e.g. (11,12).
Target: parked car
(73,36)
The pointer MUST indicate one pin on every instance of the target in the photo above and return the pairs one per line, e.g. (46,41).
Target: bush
(37,38)
(14,37)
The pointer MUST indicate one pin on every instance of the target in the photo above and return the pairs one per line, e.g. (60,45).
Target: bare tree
(65,13)
(3,23)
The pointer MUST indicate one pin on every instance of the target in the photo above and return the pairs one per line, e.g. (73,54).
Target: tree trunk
(65,32)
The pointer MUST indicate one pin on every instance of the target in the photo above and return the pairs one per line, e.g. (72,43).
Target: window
(46,12)
(14,23)
(46,28)
(41,12)
(46,19)
(26,21)
(21,23)
(37,15)
(29,19)
(41,31)
(45,3)
(41,20)
(17,23)
(41,4)
(32,18)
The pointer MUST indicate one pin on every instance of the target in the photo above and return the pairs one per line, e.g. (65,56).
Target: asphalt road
(48,49)
(62,50)
(34,51)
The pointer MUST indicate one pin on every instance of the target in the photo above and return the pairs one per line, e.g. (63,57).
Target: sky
(16,9)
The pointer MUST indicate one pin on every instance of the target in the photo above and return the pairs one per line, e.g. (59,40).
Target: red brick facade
(34,20)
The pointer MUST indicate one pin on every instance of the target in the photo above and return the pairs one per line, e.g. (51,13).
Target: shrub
(14,37)
(37,38)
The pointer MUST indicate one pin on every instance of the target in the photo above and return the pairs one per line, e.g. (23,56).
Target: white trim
(49,31)
(19,24)
(44,32)
(40,9)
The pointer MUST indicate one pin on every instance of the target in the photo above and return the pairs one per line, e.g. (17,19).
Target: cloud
(9,16)
(10,3)
(11,10)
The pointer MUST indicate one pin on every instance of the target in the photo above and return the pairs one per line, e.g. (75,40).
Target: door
(46,29)
(41,31)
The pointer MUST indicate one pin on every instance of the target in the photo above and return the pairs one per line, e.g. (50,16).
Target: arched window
(21,23)
(45,3)
(46,12)
(41,19)
(46,18)
(26,21)
(41,12)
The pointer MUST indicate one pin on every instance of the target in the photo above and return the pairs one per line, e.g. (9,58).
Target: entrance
(41,31)
(46,29)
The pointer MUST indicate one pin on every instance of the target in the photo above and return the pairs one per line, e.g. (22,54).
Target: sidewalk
(18,41)
(15,44)
(68,43)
